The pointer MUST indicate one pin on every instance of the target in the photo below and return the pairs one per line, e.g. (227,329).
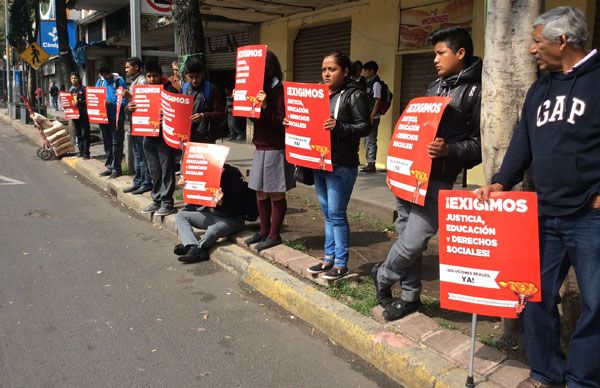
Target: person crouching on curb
(225,219)
(270,175)
(349,121)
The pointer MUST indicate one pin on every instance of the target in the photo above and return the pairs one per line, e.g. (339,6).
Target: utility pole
(8,91)
(136,34)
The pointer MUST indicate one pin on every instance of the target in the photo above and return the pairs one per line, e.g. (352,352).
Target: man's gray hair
(564,21)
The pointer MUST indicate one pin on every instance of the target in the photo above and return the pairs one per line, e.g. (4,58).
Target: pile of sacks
(56,133)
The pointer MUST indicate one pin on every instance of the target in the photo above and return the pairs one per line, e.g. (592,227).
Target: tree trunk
(508,71)
(189,32)
(66,57)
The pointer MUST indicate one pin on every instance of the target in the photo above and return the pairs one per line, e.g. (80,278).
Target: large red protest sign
(176,110)
(201,168)
(307,143)
(249,78)
(145,120)
(69,105)
(489,252)
(408,164)
(95,99)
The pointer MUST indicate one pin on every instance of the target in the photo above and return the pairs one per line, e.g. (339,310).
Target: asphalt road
(91,295)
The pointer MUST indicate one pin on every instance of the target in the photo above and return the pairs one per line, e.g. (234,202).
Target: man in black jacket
(559,137)
(456,146)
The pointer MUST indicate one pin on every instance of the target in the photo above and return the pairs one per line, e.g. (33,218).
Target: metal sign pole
(470,383)
(8,93)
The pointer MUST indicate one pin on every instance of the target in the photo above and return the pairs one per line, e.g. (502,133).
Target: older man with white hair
(558,136)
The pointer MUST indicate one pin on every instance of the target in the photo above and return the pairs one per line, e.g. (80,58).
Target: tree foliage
(22,14)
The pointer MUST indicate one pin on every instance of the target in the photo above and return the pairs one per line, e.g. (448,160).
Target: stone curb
(414,351)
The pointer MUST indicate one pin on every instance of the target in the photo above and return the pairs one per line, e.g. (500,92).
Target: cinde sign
(156,7)
(48,37)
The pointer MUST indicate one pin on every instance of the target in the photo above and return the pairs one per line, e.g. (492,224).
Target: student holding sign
(270,175)
(456,146)
(113,133)
(82,124)
(209,110)
(558,136)
(349,121)
(159,155)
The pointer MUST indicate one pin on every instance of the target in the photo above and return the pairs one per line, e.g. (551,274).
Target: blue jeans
(54,102)
(565,241)
(142,174)
(333,191)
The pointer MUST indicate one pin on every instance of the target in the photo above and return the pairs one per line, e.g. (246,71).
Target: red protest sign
(176,110)
(307,143)
(408,164)
(201,168)
(145,120)
(489,252)
(95,100)
(249,78)
(120,93)
(69,105)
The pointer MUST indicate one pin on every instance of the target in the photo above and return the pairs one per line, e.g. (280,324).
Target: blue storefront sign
(48,38)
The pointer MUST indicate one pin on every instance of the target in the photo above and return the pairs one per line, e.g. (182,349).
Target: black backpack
(386,98)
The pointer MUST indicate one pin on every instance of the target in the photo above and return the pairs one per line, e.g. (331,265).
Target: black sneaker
(181,249)
(266,244)
(255,238)
(384,296)
(154,206)
(335,273)
(165,210)
(194,255)
(115,174)
(142,190)
(318,268)
(105,173)
(399,309)
(131,189)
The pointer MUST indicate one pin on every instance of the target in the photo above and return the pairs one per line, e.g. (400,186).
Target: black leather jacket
(459,126)
(353,122)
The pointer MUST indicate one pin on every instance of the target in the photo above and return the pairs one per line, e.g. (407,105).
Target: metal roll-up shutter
(221,50)
(313,43)
(417,73)
(118,64)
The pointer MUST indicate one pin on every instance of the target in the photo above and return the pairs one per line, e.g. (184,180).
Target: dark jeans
(113,137)
(567,241)
(333,191)
(54,102)
(161,163)
(82,132)
(237,125)
(142,175)
(215,224)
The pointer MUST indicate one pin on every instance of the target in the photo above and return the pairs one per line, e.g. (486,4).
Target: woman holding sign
(349,121)
(270,175)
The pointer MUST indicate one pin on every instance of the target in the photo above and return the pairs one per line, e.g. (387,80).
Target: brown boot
(531,383)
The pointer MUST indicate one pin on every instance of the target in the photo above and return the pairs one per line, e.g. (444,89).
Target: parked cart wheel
(39,152)
(47,154)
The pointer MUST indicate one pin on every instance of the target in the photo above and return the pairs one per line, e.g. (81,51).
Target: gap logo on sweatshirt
(550,111)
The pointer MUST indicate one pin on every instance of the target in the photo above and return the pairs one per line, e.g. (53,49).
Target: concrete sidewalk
(415,351)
